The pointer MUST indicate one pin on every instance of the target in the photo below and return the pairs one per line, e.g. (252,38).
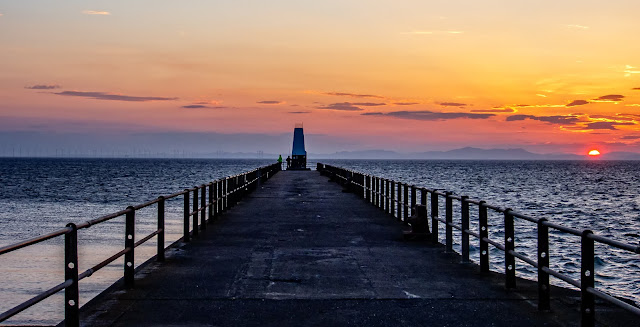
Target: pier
(299,248)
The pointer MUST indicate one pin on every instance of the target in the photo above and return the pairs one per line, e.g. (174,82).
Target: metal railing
(222,194)
(398,199)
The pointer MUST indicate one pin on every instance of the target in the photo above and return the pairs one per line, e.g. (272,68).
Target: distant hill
(620,156)
(467,153)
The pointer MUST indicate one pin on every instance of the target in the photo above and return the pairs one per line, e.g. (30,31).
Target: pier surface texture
(300,252)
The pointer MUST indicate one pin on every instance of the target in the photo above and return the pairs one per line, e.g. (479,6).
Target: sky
(402,75)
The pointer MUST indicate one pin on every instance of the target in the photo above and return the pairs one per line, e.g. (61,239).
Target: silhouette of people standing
(280,160)
(288,162)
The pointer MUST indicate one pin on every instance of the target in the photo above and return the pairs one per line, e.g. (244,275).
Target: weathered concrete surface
(299,252)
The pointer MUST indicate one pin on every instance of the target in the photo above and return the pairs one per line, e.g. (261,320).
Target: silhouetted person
(288,162)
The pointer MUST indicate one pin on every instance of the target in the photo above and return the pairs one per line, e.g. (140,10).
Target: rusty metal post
(129,244)
(71,293)
(160,256)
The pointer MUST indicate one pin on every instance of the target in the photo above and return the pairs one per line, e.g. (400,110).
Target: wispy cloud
(636,88)
(270,102)
(609,98)
(353,95)
(568,119)
(541,95)
(452,104)
(580,27)
(42,87)
(94,12)
(494,110)
(631,137)
(606,125)
(428,115)
(202,106)
(405,103)
(577,103)
(431,32)
(111,96)
(343,106)
(630,70)
(299,112)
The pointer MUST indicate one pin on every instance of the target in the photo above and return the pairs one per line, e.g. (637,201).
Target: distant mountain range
(470,153)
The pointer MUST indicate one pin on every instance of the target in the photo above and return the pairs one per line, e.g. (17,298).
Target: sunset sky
(546,76)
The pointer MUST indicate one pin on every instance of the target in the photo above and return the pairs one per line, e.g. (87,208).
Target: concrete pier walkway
(299,252)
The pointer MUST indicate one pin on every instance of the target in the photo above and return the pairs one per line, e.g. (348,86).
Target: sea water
(38,196)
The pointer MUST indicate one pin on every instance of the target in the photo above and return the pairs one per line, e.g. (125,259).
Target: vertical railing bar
(449,220)
(587,301)
(210,203)
(161,232)
(483,227)
(203,201)
(434,216)
(464,213)
(405,197)
(129,243)
(195,212)
(543,261)
(71,293)
(186,215)
(509,245)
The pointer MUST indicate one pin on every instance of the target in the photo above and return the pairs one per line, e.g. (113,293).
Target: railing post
(509,245)
(203,201)
(388,195)
(464,213)
(225,194)
(392,207)
(449,220)
(187,210)
(543,261)
(215,200)
(212,209)
(483,225)
(406,204)
(71,294)
(423,198)
(129,243)
(414,193)
(367,186)
(160,239)
(195,212)
(399,202)
(587,274)
(376,193)
(434,216)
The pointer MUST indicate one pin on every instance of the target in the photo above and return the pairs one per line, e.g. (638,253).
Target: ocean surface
(40,195)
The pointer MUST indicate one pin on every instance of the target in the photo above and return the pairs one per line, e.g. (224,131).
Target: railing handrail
(215,205)
(370,187)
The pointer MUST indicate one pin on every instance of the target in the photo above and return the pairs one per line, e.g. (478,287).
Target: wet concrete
(300,252)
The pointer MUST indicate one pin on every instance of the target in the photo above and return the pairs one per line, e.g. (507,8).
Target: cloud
(610,98)
(299,112)
(427,115)
(202,106)
(494,110)
(344,106)
(42,87)
(353,95)
(606,125)
(631,137)
(629,70)
(562,120)
(93,12)
(577,103)
(405,103)
(541,95)
(574,26)
(376,113)
(452,104)
(270,102)
(431,32)
(350,106)
(636,88)
(113,97)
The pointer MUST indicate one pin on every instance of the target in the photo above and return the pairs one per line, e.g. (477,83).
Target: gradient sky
(405,75)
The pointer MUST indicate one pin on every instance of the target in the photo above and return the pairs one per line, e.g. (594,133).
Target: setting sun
(594,153)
